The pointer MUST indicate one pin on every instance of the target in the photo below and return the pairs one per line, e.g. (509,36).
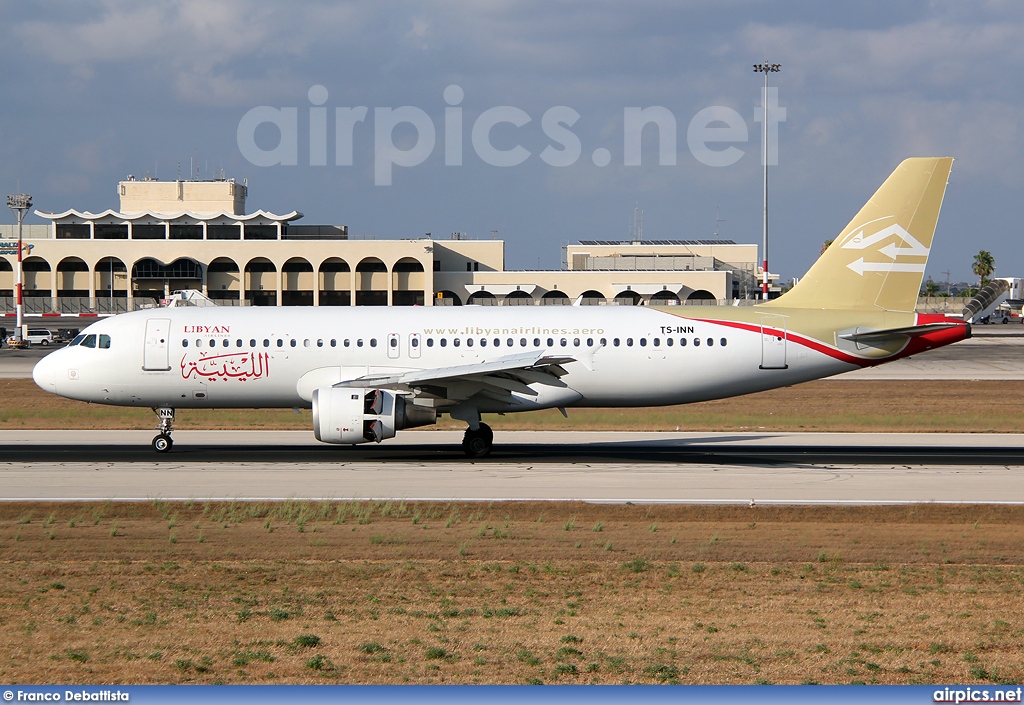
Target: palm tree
(984,265)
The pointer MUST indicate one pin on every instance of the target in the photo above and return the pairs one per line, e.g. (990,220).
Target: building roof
(656,242)
(152,215)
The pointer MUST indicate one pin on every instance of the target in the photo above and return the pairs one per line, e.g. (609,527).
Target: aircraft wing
(495,378)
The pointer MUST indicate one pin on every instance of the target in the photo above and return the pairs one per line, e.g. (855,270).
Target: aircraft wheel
(478,444)
(162,443)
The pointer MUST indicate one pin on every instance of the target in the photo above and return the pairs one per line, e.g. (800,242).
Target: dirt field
(830,405)
(509,593)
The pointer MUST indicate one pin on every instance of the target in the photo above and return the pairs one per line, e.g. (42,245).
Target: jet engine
(353,415)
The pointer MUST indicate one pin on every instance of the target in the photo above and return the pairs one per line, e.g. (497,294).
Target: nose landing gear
(162,442)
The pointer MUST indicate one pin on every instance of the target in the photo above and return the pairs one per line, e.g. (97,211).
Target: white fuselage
(212,357)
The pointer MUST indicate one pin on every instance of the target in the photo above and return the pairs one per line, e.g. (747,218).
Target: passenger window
(199,343)
(359,343)
(696,342)
(334,342)
(657,342)
(293,342)
(536,342)
(604,342)
(347,342)
(319,342)
(213,343)
(643,342)
(444,342)
(682,342)
(590,342)
(373,342)
(522,342)
(226,342)
(615,342)
(104,341)
(483,342)
(551,342)
(668,342)
(711,341)
(469,342)
(629,342)
(90,341)
(430,342)
(509,342)
(723,342)
(252,342)
(455,342)
(305,343)
(184,342)
(266,343)
(576,342)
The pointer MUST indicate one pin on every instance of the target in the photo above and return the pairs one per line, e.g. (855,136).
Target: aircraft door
(394,345)
(414,345)
(156,356)
(773,343)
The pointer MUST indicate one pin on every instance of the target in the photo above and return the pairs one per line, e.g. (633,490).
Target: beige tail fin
(878,260)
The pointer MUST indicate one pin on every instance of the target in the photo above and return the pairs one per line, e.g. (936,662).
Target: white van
(39,336)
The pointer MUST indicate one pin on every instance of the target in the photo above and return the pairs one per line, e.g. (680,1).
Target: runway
(593,467)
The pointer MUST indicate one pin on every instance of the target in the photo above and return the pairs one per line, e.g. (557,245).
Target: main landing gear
(162,442)
(478,443)
(479,437)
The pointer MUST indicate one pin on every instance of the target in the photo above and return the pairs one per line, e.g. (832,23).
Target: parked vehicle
(39,336)
(65,335)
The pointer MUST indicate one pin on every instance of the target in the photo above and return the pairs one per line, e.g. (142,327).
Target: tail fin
(878,260)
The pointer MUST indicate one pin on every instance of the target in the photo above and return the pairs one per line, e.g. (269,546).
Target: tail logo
(909,246)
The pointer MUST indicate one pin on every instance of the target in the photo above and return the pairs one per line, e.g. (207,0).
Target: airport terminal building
(175,235)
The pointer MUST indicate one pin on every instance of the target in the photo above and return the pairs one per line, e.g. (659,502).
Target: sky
(518,119)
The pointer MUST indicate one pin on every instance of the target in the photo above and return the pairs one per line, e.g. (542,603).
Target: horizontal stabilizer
(877,336)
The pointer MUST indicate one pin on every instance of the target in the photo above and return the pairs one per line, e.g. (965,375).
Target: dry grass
(830,405)
(509,593)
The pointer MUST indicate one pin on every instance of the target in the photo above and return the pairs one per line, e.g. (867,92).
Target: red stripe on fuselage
(916,344)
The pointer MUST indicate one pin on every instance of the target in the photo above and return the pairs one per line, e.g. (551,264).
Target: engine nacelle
(355,415)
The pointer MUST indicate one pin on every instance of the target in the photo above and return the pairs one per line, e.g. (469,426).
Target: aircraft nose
(44,374)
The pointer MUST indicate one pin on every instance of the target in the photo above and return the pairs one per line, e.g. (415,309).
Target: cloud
(216,53)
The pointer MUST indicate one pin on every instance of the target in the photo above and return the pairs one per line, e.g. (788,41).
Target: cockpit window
(77,341)
(104,341)
(90,341)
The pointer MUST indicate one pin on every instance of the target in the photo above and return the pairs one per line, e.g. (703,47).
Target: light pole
(766,69)
(19,203)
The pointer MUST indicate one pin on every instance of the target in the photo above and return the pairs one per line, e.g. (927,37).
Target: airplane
(368,373)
